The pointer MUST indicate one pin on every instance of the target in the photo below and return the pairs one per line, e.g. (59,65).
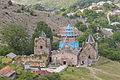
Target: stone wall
(35,60)
(64,59)
(42,46)
(88,54)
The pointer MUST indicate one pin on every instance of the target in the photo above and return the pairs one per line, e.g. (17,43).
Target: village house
(107,32)
(8,72)
(11,55)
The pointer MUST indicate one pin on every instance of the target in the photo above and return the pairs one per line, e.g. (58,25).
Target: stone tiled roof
(11,55)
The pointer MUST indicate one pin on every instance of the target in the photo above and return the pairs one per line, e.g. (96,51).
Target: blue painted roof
(69,30)
(72,44)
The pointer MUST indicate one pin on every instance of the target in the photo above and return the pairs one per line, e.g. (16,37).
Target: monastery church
(69,52)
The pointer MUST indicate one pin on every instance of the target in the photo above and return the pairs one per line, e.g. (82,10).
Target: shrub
(18,11)
(10,2)
(5,50)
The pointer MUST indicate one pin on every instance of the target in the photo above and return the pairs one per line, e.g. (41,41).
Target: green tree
(16,37)
(55,45)
(90,14)
(80,26)
(10,2)
(5,50)
(42,26)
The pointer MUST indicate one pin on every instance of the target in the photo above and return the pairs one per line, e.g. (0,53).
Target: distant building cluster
(69,52)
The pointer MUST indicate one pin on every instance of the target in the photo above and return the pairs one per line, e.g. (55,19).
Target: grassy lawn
(107,77)
(73,73)
(109,66)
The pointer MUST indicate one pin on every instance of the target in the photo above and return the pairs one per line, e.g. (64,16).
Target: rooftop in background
(11,55)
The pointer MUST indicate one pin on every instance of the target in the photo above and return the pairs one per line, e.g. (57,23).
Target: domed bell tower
(42,44)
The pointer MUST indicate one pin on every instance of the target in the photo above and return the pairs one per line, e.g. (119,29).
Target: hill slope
(14,15)
(56,4)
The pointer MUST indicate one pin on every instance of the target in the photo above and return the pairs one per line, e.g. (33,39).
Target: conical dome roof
(42,34)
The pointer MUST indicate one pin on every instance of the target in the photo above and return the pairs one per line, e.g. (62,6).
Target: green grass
(109,70)
(107,65)
(107,77)
(73,73)
(1,57)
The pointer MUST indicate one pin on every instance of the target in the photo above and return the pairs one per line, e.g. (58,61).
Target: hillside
(56,4)
(13,14)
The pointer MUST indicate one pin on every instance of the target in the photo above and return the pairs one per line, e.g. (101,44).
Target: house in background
(9,58)
(107,32)
(8,72)
(11,55)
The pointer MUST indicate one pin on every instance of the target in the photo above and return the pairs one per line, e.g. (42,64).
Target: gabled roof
(11,55)
(90,39)
(42,34)
(6,70)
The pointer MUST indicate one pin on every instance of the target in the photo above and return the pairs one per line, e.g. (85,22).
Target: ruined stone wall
(35,60)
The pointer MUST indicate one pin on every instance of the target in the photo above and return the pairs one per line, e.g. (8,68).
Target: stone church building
(69,52)
(42,44)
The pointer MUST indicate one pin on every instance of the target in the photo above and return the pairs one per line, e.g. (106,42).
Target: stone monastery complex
(69,52)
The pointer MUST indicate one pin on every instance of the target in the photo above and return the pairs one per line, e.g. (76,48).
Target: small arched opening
(41,47)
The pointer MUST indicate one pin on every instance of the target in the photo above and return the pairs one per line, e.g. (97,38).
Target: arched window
(89,57)
(41,47)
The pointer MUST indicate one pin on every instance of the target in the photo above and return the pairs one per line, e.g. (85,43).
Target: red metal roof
(5,70)
(43,72)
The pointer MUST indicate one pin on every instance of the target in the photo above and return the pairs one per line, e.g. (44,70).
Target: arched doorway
(64,62)
(50,59)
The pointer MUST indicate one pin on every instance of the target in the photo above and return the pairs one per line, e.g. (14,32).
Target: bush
(6,60)
(80,26)
(10,2)
(32,13)
(5,50)
(18,11)
(55,45)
